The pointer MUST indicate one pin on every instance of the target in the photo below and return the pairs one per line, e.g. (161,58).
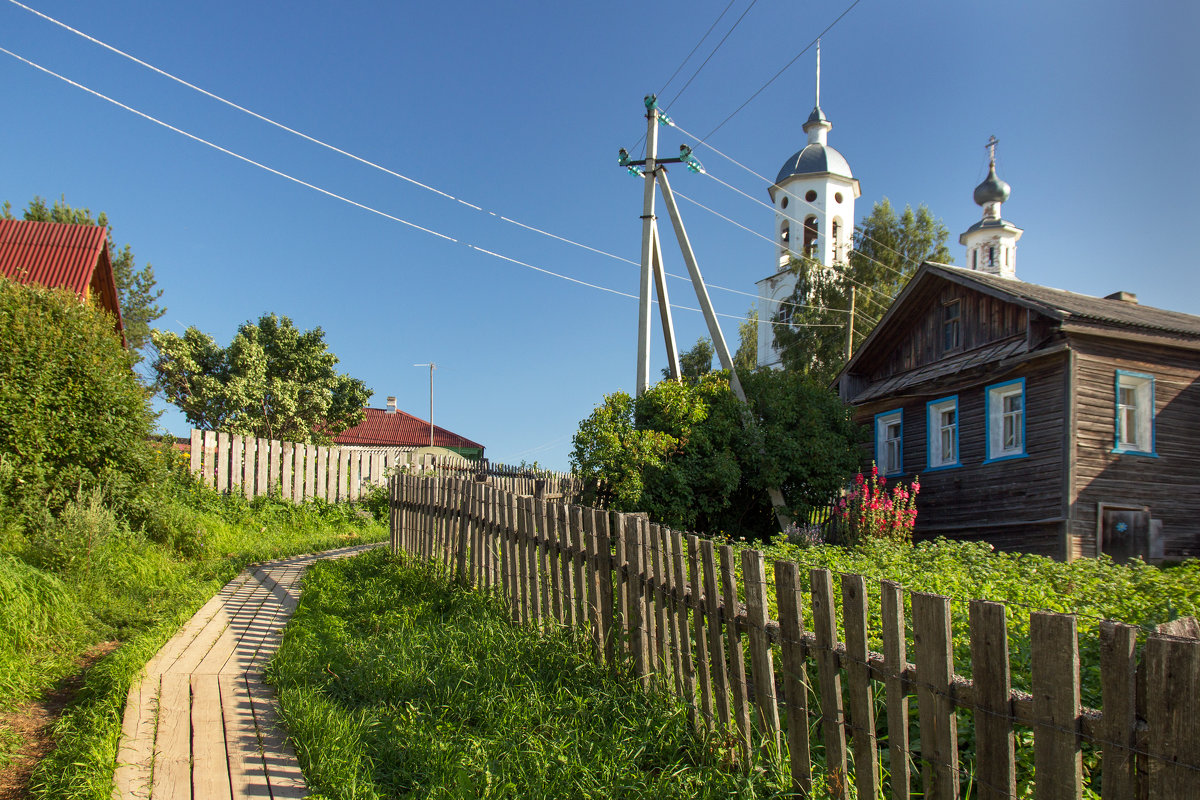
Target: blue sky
(519,108)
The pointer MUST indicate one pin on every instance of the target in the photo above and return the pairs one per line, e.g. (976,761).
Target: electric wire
(347,154)
(335,195)
(713,53)
(694,49)
(784,69)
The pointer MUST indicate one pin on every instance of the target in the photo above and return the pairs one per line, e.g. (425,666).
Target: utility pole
(655,173)
(432,366)
(850,326)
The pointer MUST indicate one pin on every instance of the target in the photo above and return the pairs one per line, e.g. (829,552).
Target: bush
(73,417)
(681,452)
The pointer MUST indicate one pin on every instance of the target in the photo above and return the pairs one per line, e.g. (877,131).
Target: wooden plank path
(201,724)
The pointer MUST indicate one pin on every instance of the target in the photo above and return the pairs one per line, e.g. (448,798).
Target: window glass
(942,421)
(889,442)
(950,328)
(1006,419)
(1134,413)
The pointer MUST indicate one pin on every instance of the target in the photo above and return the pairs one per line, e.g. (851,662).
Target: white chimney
(391,409)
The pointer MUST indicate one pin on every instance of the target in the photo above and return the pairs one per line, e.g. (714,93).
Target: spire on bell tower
(818,126)
(992,242)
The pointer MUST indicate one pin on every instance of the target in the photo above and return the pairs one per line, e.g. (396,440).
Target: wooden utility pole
(850,326)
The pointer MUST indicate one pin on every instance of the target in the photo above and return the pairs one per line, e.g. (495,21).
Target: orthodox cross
(991,146)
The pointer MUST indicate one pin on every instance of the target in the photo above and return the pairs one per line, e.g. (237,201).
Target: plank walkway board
(201,724)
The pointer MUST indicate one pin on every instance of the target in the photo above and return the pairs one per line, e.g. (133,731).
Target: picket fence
(673,610)
(253,467)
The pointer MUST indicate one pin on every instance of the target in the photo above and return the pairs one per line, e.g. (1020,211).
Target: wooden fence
(673,610)
(297,471)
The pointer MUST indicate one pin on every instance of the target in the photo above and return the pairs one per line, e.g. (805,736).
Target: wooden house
(59,255)
(1039,420)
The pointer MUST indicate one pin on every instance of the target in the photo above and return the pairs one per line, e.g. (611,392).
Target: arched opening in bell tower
(810,236)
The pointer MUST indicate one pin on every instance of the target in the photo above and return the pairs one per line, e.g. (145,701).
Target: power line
(781,71)
(694,49)
(348,154)
(335,195)
(713,53)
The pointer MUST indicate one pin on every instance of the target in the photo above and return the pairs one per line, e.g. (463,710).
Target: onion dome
(992,190)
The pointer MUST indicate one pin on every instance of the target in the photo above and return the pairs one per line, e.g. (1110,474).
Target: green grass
(85,577)
(397,683)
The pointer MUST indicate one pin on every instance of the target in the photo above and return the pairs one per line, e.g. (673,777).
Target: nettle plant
(873,510)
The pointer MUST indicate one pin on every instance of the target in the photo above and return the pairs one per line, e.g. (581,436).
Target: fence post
(1118,674)
(795,674)
(754,576)
(935,668)
(862,702)
(195,453)
(895,659)
(716,639)
(700,631)
(1057,756)
(830,681)
(994,745)
(1173,716)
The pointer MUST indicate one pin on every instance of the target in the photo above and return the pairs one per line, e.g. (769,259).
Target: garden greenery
(683,453)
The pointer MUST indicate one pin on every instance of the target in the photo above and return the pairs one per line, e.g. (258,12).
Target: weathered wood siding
(982,320)
(1168,483)
(1015,504)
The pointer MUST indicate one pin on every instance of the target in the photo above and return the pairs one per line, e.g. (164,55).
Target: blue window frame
(889,442)
(941,439)
(1133,418)
(1004,423)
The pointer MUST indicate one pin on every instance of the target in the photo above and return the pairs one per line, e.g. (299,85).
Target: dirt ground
(33,723)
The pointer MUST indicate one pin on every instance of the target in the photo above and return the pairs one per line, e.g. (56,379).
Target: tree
(135,287)
(73,418)
(272,381)
(681,453)
(746,357)
(696,362)
(887,251)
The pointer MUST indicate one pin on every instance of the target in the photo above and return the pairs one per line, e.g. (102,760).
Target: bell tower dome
(992,242)
(813,197)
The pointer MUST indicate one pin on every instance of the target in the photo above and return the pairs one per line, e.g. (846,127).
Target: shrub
(72,415)
(871,511)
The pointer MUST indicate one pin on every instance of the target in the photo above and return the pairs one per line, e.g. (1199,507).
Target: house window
(951,337)
(1134,413)
(1006,420)
(942,426)
(889,442)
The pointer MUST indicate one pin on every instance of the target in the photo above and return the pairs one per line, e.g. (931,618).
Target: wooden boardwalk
(201,724)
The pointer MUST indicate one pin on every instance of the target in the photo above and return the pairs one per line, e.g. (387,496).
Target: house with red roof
(57,255)
(394,429)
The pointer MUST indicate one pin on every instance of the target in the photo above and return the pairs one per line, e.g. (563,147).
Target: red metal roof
(58,255)
(381,429)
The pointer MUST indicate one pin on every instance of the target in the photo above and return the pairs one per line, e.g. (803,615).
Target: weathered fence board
(622,580)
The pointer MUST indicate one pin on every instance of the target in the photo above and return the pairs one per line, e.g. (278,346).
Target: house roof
(59,255)
(399,429)
(1071,306)
(1095,315)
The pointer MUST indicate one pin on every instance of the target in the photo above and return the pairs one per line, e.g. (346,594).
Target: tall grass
(88,575)
(395,682)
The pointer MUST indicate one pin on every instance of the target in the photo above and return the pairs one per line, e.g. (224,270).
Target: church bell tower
(813,197)
(992,242)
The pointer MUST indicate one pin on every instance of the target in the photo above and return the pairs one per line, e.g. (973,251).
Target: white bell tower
(813,196)
(992,242)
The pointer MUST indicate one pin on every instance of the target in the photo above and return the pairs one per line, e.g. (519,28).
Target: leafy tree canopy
(135,287)
(887,251)
(681,453)
(272,381)
(73,418)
